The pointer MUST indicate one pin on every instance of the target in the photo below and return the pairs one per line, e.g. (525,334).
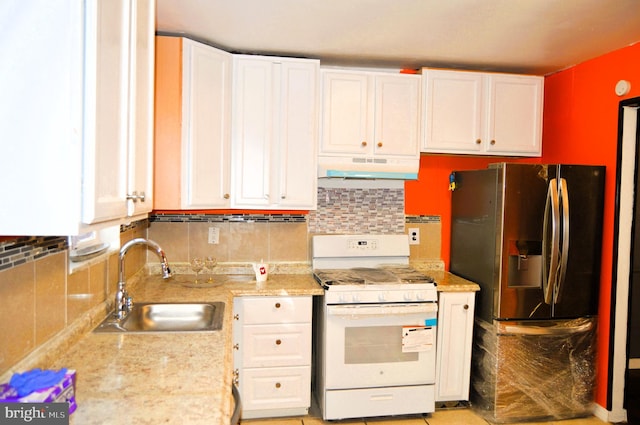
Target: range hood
(368,167)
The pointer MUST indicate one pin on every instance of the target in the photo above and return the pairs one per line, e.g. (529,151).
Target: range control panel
(363,244)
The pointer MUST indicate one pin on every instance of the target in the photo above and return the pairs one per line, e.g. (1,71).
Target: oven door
(375,345)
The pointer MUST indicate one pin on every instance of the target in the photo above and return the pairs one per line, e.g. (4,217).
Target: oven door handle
(377,310)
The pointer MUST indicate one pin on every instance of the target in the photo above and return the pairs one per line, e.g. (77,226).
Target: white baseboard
(617,416)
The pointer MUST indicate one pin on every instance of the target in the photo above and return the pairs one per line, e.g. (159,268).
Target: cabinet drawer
(263,310)
(276,345)
(378,401)
(275,388)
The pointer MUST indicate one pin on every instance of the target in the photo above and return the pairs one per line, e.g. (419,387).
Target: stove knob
(382,296)
(408,296)
(419,296)
(342,298)
(356,298)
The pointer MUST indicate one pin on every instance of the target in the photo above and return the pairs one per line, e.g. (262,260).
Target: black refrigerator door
(577,294)
(525,188)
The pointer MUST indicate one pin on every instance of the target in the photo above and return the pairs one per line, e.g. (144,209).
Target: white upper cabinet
(274,133)
(482,113)
(370,124)
(105,168)
(193,125)
(206,77)
(370,114)
(141,115)
(67,113)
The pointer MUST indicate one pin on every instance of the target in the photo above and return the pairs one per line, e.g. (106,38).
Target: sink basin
(167,317)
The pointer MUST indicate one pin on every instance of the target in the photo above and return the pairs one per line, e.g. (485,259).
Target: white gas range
(376,328)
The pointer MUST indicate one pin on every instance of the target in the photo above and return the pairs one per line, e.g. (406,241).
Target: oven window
(375,344)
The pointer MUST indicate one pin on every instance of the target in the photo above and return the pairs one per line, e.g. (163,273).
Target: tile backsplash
(39,298)
(372,211)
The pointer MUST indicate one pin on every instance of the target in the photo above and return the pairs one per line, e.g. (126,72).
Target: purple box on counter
(63,391)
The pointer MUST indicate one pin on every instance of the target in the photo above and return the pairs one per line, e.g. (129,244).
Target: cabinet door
(453,103)
(141,95)
(104,187)
(455,337)
(514,119)
(345,113)
(253,120)
(41,117)
(206,125)
(295,153)
(397,112)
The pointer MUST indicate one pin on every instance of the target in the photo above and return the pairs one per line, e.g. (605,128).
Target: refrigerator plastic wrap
(532,372)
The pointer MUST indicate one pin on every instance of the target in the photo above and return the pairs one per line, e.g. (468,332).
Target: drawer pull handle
(363,144)
(277,305)
(236,346)
(236,317)
(278,385)
(478,141)
(278,341)
(466,307)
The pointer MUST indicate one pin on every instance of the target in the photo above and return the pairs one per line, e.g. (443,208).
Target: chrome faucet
(124,303)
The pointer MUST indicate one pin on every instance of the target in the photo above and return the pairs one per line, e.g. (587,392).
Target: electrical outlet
(414,236)
(214,235)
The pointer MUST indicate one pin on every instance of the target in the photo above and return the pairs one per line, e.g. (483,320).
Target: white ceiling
(522,36)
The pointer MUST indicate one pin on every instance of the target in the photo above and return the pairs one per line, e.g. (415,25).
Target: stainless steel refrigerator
(530,236)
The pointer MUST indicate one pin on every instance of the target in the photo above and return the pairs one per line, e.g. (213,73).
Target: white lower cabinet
(453,352)
(272,355)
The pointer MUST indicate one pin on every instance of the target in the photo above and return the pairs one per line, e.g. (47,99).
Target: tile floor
(464,416)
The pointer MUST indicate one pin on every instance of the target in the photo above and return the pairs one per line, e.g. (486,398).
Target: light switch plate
(214,235)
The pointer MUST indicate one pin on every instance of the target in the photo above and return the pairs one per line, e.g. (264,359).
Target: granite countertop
(449,282)
(171,378)
(176,378)
(446,281)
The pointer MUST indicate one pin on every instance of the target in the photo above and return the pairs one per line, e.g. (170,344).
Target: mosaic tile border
(24,249)
(140,223)
(220,218)
(416,219)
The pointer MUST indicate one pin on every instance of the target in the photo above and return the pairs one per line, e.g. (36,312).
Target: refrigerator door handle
(563,193)
(550,259)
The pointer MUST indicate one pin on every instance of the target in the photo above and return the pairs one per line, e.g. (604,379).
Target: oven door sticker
(417,338)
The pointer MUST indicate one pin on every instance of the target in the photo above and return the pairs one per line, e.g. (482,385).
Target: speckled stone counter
(171,378)
(447,282)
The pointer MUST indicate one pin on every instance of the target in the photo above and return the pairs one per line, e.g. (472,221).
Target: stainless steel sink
(167,317)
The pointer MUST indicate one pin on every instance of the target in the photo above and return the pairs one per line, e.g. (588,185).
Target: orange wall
(581,127)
